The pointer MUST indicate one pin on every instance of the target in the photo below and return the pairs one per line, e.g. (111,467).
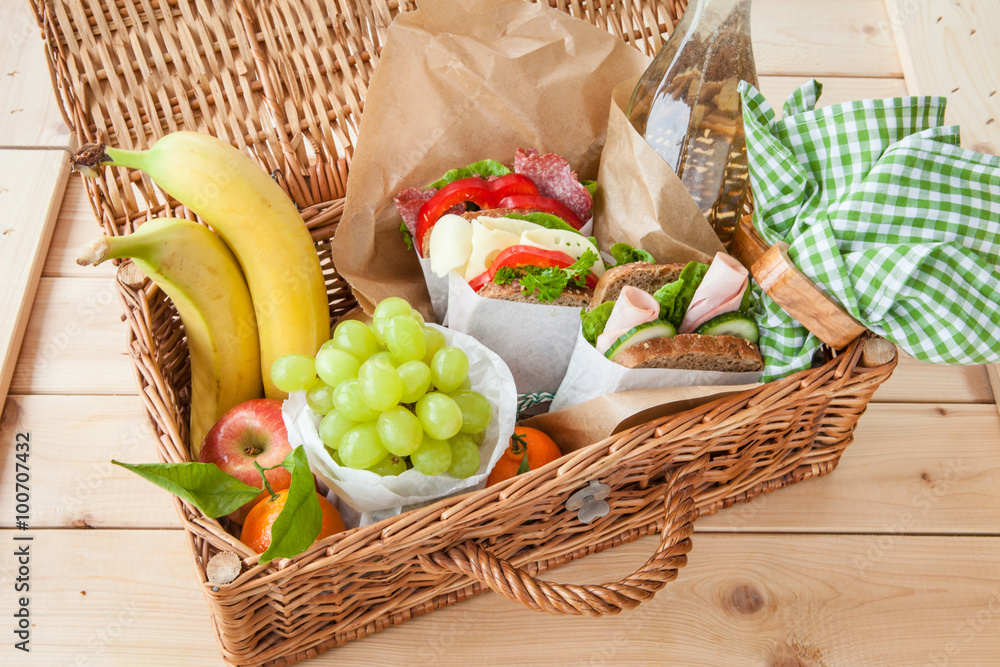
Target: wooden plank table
(891,560)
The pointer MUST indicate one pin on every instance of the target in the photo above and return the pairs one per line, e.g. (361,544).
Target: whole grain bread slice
(578,297)
(694,352)
(646,276)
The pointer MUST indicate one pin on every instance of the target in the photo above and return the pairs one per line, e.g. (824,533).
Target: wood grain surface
(889,560)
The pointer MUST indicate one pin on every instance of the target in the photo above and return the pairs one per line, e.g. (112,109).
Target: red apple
(251,431)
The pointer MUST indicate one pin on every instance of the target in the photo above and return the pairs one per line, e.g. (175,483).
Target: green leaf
(506,275)
(482,168)
(407,236)
(595,320)
(591,187)
(674,298)
(626,254)
(546,220)
(301,519)
(546,284)
(524,467)
(578,270)
(203,485)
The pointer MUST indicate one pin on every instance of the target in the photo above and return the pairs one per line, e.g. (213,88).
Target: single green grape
(335,456)
(400,431)
(385,310)
(383,357)
(293,372)
(380,385)
(347,399)
(433,341)
(416,379)
(320,397)
(477,413)
(415,314)
(355,338)
(333,426)
(390,466)
(439,415)
(464,456)
(361,448)
(432,457)
(449,368)
(404,339)
(334,365)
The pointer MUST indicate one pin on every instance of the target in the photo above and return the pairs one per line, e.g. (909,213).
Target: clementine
(536,445)
(256,532)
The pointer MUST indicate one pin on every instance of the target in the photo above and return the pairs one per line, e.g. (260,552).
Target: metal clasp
(589,501)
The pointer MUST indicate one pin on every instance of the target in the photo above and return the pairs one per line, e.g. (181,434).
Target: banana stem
(103,248)
(91,157)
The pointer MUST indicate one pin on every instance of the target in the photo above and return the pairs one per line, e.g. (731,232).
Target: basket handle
(472,560)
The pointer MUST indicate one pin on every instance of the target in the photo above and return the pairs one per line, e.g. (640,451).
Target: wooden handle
(471,559)
(799,297)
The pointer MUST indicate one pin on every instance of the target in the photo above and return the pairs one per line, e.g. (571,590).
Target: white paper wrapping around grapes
(374,496)
(590,374)
(536,340)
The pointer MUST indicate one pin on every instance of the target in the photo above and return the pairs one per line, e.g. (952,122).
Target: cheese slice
(570,243)
(450,244)
(486,245)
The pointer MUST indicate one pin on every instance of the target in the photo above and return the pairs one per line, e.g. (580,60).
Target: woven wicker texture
(285,82)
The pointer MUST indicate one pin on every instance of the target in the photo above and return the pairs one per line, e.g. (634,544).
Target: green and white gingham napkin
(887,214)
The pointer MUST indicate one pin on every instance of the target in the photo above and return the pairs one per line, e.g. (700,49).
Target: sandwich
(684,316)
(528,257)
(535,182)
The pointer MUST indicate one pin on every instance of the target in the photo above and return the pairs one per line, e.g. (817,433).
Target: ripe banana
(257,221)
(200,275)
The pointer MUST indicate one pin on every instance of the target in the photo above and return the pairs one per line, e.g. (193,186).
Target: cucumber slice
(736,323)
(640,334)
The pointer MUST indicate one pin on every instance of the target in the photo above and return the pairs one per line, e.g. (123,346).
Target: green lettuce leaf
(203,485)
(299,523)
(591,187)
(595,320)
(626,254)
(482,168)
(674,298)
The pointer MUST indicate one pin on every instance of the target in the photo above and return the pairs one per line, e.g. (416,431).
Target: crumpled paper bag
(460,82)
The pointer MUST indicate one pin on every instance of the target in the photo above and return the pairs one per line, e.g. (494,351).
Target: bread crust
(646,276)
(694,352)
(577,297)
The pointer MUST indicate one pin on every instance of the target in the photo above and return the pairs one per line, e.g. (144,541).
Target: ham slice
(633,307)
(720,291)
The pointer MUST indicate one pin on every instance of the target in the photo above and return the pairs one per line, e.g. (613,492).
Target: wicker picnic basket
(285,82)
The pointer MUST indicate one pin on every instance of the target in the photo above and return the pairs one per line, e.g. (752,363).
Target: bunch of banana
(200,275)
(258,222)
(241,309)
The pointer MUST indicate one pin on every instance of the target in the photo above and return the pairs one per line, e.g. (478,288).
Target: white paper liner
(373,497)
(590,374)
(536,340)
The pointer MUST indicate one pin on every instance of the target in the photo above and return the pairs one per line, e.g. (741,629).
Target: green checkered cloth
(886,213)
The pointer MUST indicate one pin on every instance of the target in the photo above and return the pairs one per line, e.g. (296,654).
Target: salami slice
(409,201)
(554,178)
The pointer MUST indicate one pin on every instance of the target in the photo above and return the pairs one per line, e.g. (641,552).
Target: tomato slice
(479,191)
(526,255)
(543,204)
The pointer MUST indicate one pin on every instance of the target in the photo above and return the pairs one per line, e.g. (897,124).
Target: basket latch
(589,503)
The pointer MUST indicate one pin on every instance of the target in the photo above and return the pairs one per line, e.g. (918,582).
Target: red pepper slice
(526,255)
(544,204)
(481,192)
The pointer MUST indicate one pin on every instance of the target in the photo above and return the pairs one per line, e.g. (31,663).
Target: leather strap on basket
(472,560)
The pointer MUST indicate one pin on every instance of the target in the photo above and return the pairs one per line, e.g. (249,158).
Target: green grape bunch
(393,396)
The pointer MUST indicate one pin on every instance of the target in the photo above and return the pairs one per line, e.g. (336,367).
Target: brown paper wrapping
(585,423)
(641,201)
(460,82)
